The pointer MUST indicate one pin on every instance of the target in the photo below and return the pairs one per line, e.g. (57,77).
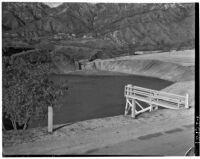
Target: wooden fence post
(50,119)
(126,108)
(133,108)
(129,88)
(151,106)
(187,101)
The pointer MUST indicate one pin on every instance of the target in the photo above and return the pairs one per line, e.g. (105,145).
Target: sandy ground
(94,135)
(81,137)
(184,58)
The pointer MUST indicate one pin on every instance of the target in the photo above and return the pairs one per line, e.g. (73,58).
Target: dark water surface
(94,96)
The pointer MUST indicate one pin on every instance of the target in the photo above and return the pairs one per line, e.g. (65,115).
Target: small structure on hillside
(82,63)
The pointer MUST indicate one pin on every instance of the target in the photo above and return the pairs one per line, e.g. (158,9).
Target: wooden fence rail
(153,98)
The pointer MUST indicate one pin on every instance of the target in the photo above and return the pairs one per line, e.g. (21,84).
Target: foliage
(27,90)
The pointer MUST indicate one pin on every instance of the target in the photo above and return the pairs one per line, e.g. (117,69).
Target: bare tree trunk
(25,125)
(14,124)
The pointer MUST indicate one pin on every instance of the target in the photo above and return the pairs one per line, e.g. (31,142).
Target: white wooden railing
(153,98)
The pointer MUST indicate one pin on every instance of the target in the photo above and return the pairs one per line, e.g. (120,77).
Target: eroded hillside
(130,26)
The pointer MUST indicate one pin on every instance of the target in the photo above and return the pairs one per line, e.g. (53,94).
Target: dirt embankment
(154,68)
(176,66)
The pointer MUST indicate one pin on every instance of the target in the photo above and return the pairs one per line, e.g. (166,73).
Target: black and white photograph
(99,79)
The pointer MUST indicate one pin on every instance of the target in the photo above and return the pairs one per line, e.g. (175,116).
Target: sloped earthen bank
(154,68)
(183,76)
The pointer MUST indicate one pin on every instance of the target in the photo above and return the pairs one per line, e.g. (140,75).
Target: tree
(27,90)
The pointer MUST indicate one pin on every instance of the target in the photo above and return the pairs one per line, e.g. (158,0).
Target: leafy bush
(27,90)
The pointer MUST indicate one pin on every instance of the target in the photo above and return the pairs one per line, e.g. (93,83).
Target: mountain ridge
(125,24)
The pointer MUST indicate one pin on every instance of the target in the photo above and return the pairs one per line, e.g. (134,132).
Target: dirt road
(88,136)
(169,143)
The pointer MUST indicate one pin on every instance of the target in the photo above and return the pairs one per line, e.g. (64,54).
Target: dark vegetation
(27,90)
(8,51)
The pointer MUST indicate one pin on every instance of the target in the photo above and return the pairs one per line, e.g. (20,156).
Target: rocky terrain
(145,26)
(86,31)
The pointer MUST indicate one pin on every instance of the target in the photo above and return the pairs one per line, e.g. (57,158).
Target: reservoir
(96,96)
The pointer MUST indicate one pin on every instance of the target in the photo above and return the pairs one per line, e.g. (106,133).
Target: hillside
(130,26)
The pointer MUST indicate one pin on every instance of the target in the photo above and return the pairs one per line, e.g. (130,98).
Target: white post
(126,108)
(151,107)
(187,101)
(156,107)
(133,108)
(50,119)
(129,89)
(150,103)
